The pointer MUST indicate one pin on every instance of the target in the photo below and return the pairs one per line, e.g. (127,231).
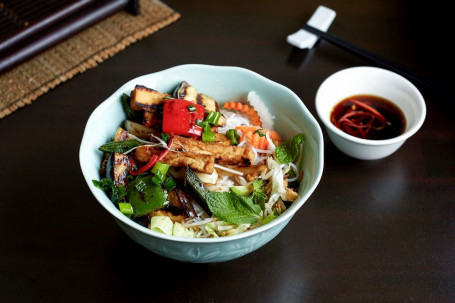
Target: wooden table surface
(373,231)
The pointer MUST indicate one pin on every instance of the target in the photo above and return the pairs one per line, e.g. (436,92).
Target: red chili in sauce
(368,117)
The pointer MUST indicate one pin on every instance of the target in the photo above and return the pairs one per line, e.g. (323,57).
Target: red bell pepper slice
(180,117)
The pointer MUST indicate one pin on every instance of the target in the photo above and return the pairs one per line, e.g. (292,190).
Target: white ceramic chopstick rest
(321,19)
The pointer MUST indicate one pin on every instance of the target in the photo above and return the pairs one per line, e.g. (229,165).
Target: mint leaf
(268,219)
(287,151)
(119,146)
(232,208)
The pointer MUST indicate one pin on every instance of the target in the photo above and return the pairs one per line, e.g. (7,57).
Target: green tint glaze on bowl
(223,84)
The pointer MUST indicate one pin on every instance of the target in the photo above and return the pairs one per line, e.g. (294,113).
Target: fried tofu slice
(144,98)
(200,156)
(204,163)
(152,118)
(225,154)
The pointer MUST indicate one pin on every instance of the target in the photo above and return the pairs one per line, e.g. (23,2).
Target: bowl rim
(287,215)
(408,133)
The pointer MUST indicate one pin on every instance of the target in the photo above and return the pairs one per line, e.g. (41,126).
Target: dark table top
(373,231)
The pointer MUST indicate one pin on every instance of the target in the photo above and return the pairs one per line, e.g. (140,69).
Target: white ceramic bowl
(365,80)
(223,84)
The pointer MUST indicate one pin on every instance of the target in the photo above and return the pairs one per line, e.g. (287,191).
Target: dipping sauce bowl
(365,80)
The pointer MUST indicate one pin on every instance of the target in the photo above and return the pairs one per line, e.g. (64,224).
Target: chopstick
(367,55)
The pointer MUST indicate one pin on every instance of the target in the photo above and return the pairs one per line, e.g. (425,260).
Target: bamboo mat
(25,83)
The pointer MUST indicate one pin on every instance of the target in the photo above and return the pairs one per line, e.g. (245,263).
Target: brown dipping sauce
(380,119)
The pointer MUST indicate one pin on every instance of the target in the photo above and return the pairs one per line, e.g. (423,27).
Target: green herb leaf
(116,193)
(288,150)
(258,184)
(233,208)
(258,196)
(119,146)
(268,219)
(130,113)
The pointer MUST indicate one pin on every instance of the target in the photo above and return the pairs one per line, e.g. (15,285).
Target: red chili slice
(377,114)
(153,159)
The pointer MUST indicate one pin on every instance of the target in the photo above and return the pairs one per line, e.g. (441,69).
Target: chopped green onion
(126,208)
(191,108)
(156,180)
(233,136)
(160,170)
(167,97)
(208,137)
(206,128)
(199,122)
(213,117)
(169,183)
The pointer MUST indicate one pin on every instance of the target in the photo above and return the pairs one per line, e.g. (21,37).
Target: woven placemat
(25,83)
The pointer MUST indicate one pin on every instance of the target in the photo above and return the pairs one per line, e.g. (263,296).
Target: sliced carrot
(244,108)
(249,134)
(257,141)
(245,129)
(275,137)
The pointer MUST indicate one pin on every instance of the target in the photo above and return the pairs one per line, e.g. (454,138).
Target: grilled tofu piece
(144,153)
(223,153)
(201,162)
(204,163)
(152,118)
(198,162)
(222,139)
(146,98)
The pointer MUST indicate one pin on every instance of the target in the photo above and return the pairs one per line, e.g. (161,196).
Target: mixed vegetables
(183,166)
